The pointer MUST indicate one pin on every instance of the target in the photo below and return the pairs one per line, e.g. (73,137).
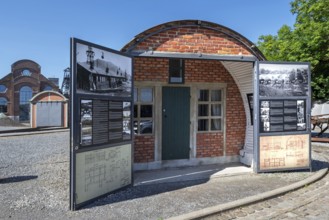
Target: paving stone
(309,202)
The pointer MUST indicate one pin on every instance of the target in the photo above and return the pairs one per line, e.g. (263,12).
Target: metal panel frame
(75,118)
(240,58)
(257,134)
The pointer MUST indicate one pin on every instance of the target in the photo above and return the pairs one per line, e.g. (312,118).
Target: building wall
(148,70)
(15,80)
(50,96)
(185,37)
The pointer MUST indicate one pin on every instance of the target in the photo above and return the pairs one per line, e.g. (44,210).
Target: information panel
(101,131)
(282,107)
(288,151)
(282,115)
(101,171)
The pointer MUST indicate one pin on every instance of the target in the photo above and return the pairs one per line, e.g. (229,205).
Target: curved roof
(25,60)
(49,91)
(143,36)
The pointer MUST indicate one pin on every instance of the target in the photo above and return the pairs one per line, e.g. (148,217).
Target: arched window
(3,105)
(25,94)
(26,72)
(3,88)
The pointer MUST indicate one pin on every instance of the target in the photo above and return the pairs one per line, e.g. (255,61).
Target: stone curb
(32,132)
(251,199)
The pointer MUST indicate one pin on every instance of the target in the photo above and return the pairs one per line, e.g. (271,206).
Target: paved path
(309,202)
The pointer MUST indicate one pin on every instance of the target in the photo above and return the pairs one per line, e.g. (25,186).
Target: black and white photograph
(283,80)
(264,111)
(264,118)
(266,126)
(103,72)
(86,120)
(301,125)
(126,133)
(265,104)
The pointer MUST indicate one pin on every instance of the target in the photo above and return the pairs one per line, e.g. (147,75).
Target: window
(143,110)
(3,105)
(3,88)
(210,110)
(176,70)
(25,94)
(26,72)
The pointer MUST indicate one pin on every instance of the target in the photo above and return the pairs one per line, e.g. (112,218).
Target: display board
(284,151)
(101,171)
(101,131)
(282,109)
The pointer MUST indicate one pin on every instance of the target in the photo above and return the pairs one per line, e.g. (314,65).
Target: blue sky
(40,30)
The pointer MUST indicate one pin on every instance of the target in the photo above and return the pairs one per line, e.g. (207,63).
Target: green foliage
(307,41)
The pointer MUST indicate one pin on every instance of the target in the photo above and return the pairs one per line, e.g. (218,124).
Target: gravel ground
(34,184)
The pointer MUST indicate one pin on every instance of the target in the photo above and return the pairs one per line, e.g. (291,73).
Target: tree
(307,41)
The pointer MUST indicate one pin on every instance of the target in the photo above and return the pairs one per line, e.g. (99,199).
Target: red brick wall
(194,40)
(151,69)
(14,81)
(208,71)
(235,120)
(209,144)
(143,148)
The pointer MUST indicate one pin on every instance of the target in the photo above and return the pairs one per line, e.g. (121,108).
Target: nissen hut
(192,81)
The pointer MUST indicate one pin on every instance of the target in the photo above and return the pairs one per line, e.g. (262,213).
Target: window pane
(3,101)
(216,110)
(3,88)
(216,124)
(203,125)
(146,127)
(135,111)
(146,95)
(203,110)
(146,111)
(135,95)
(203,95)
(216,95)
(25,94)
(3,105)
(176,70)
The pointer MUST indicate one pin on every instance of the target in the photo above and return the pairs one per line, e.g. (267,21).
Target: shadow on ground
(15,179)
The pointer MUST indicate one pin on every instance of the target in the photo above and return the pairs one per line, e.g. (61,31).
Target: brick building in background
(192,82)
(19,86)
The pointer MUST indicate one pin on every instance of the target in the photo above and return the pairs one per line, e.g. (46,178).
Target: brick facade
(144,148)
(15,80)
(207,71)
(194,39)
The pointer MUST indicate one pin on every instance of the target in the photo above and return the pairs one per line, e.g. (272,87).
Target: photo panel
(282,115)
(103,72)
(100,131)
(284,80)
(86,121)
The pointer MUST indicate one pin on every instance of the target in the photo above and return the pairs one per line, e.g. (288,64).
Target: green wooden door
(175,123)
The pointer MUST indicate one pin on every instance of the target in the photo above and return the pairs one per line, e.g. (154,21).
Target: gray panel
(49,114)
